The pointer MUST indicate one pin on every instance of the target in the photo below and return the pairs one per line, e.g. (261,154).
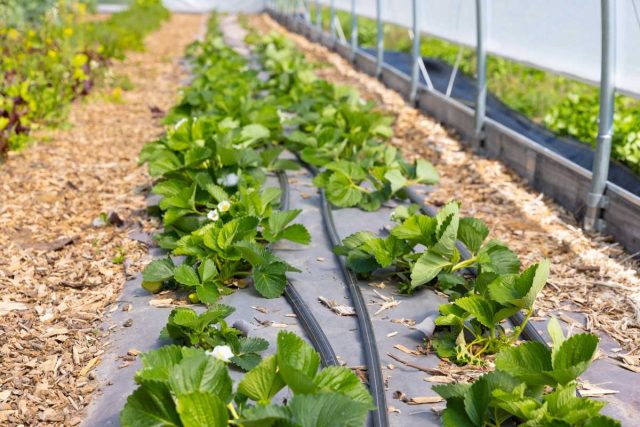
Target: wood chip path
(59,272)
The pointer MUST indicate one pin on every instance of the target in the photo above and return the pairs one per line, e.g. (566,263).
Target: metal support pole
(332,22)
(596,200)
(318,16)
(307,12)
(415,50)
(481,65)
(380,38)
(354,29)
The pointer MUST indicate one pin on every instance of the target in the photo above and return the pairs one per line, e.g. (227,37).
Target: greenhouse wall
(562,37)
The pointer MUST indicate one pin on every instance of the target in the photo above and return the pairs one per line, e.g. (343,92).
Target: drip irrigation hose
(308,321)
(530,333)
(379,417)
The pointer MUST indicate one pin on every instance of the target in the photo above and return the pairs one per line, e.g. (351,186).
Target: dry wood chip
(392,334)
(53,331)
(89,366)
(406,350)
(422,400)
(442,379)
(409,323)
(161,302)
(321,259)
(393,410)
(271,323)
(593,391)
(260,309)
(571,321)
(305,195)
(417,400)
(386,306)
(339,309)
(7,306)
(416,366)
(630,367)
(382,296)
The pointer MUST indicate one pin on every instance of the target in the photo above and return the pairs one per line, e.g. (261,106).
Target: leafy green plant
(188,387)
(532,385)
(423,250)
(473,322)
(210,172)
(335,130)
(209,331)
(53,54)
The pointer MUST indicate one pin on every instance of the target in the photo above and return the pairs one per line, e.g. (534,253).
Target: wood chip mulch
(591,274)
(61,267)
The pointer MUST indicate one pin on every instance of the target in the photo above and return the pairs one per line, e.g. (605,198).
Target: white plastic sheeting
(194,6)
(562,36)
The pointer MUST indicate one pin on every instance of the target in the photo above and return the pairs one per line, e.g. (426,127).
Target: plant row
(52,53)
(220,215)
(533,385)
(225,138)
(331,128)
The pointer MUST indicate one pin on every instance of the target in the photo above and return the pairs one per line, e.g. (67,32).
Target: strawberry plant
(422,250)
(209,331)
(210,172)
(473,322)
(183,386)
(532,385)
(333,129)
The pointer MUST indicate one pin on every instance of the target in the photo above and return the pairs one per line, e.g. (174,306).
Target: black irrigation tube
(308,321)
(379,417)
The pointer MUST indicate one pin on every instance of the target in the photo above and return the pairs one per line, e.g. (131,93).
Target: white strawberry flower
(221,352)
(213,215)
(224,206)
(229,180)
